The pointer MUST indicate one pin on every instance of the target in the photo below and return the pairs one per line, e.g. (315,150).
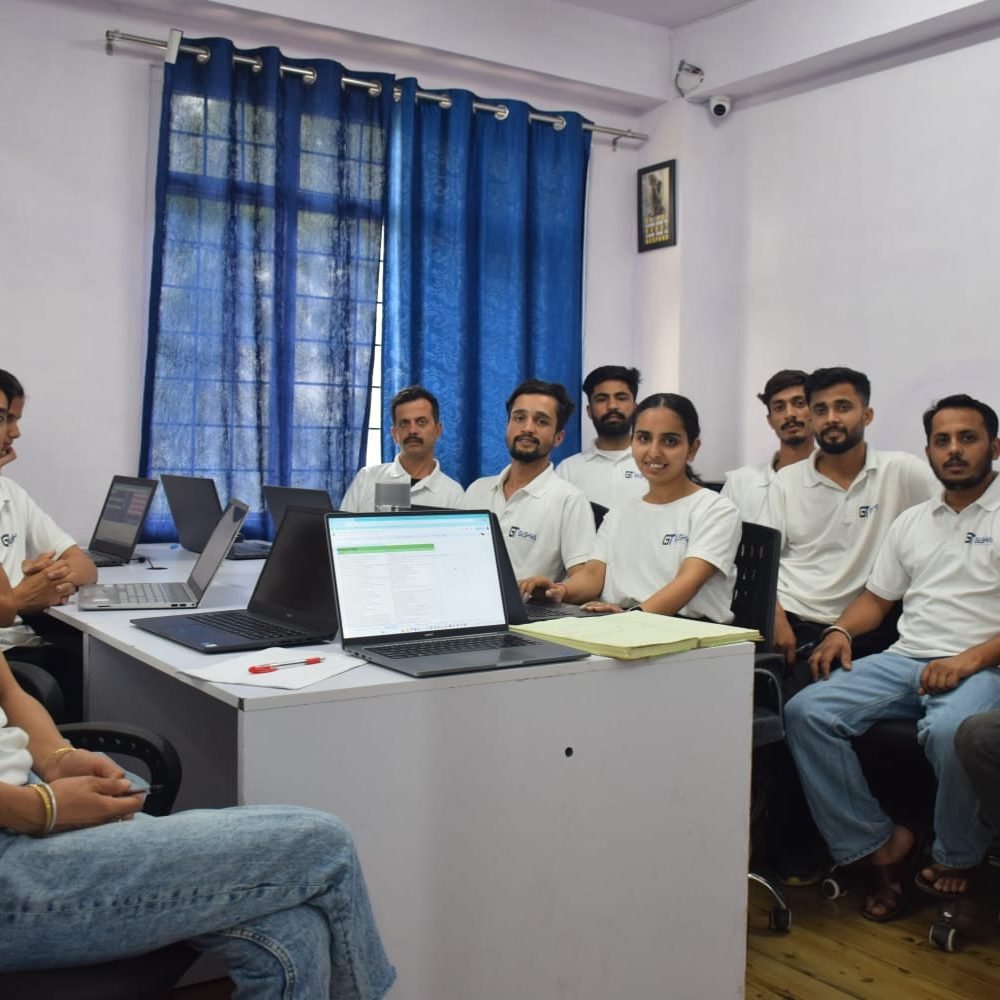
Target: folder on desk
(635,635)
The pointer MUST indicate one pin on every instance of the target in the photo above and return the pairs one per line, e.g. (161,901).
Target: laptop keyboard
(149,593)
(457,644)
(241,624)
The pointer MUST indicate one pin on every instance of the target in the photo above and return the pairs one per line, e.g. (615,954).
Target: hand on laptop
(542,588)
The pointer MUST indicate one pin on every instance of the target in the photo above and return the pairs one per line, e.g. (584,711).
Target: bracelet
(55,755)
(837,628)
(48,798)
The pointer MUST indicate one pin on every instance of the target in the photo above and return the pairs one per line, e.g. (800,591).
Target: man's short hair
(608,373)
(960,401)
(557,391)
(10,386)
(823,378)
(779,382)
(410,395)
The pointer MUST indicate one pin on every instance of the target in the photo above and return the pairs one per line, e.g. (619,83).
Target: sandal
(944,871)
(891,887)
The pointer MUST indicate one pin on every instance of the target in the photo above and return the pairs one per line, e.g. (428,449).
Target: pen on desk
(266,668)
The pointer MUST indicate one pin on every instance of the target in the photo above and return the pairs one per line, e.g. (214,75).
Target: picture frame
(656,202)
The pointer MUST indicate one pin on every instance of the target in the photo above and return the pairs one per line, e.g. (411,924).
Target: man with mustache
(547,522)
(416,427)
(940,559)
(606,472)
(833,512)
(784,397)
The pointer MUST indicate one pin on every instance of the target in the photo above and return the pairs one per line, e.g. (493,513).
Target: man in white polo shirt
(833,512)
(606,471)
(547,523)
(416,427)
(941,558)
(784,397)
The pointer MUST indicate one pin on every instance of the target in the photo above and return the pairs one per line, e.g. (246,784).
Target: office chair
(755,595)
(154,974)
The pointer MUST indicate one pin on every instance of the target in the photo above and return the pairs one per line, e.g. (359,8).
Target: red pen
(267,668)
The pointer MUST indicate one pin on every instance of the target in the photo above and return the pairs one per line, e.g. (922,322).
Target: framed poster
(657,206)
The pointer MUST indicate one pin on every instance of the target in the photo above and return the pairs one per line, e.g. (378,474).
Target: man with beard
(784,397)
(416,427)
(606,472)
(833,512)
(547,522)
(940,558)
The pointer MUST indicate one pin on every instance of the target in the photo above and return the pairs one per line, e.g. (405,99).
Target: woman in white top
(670,552)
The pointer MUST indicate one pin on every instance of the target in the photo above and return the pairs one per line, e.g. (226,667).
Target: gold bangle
(55,755)
(45,794)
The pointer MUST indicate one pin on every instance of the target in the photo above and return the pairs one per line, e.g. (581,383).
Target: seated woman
(277,891)
(672,551)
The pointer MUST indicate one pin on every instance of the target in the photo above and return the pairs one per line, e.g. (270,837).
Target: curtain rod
(174,45)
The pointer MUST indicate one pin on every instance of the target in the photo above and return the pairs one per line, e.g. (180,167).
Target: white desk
(574,831)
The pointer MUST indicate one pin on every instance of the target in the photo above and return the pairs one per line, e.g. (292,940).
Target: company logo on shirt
(7,539)
(516,532)
(971,538)
(867,510)
(675,538)
(632,474)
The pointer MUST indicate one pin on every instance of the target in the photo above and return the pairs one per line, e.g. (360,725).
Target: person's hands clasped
(47,581)
(93,801)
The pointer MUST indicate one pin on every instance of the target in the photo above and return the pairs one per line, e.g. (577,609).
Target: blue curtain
(270,200)
(483,265)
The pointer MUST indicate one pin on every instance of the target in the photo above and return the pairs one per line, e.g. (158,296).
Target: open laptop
(139,596)
(121,520)
(291,605)
(195,508)
(419,592)
(279,498)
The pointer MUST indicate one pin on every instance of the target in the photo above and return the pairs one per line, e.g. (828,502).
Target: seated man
(276,891)
(940,559)
(416,427)
(44,567)
(547,523)
(784,396)
(606,472)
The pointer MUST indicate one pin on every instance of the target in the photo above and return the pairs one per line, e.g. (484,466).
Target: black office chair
(755,595)
(150,976)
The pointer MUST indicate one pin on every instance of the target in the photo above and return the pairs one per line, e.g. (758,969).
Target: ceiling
(666,13)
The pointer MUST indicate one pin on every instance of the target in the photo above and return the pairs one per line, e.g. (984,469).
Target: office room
(840,214)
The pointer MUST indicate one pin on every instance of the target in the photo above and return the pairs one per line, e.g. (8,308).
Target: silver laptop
(121,520)
(419,592)
(150,596)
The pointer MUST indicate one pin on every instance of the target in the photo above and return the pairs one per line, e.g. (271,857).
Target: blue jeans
(277,891)
(822,719)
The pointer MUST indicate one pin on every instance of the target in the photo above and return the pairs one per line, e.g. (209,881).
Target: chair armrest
(768,700)
(155,751)
(41,685)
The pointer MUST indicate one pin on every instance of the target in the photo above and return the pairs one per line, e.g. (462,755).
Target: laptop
(279,498)
(292,604)
(121,520)
(139,596)
(419,592)
(195,508)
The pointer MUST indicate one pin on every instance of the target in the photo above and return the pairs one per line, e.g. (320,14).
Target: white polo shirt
(435,490)
(830,535)
(548,525)
(643,545)
(25,532)
(747,488)
(605,477)
(945,566)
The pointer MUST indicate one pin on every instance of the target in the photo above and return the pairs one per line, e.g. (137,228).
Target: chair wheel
(779,919)
(832,888)
(944,936)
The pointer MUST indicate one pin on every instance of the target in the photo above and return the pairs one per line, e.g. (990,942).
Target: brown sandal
(944,871)
(891,886)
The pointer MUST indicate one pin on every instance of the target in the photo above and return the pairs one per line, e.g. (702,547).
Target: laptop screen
(122,516)
(398,574)
(217,546)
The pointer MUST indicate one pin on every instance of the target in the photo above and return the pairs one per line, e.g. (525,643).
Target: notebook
(419,592)
(195,508)
(291,605)
(121,520)
(279,498)
(128,596)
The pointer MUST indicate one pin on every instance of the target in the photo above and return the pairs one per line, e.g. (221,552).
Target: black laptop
(279,498)
(121,520)
(419,592)
(292,604)
(195,508)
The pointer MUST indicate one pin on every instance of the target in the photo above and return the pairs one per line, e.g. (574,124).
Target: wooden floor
(832,952)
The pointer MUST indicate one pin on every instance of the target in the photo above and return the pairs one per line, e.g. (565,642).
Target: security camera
(719,107)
